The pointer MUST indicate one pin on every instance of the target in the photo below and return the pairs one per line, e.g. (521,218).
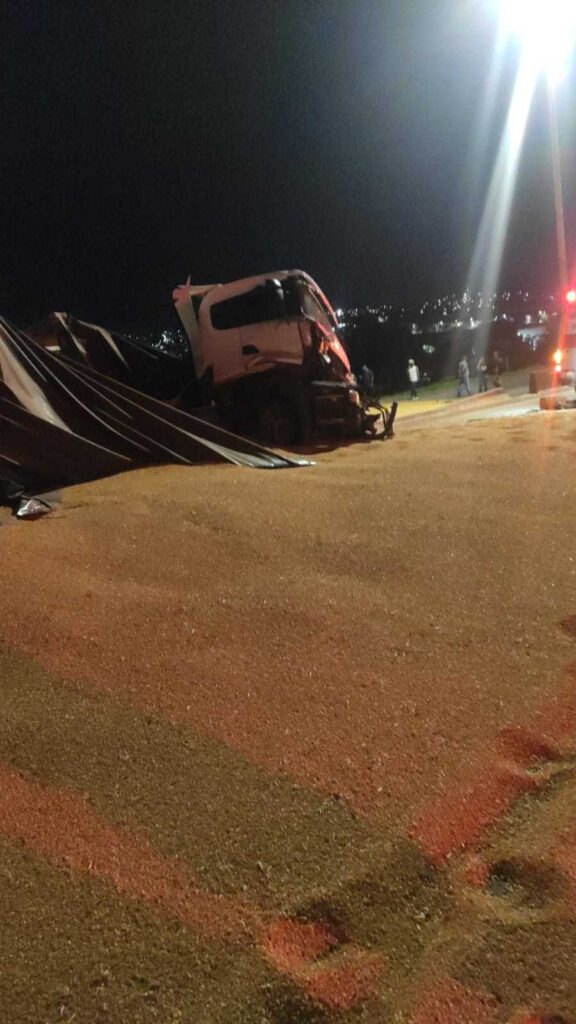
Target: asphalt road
(509,401)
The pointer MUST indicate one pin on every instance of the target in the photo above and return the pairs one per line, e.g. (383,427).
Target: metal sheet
(71,423)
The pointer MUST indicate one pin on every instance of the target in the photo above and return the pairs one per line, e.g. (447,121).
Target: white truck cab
(268,355)
(249,326)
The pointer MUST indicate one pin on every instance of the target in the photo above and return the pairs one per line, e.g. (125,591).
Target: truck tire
(278,425)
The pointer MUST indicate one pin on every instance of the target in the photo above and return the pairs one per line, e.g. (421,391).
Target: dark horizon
(237,138)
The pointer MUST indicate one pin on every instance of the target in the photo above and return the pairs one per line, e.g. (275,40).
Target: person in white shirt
(413,378)
(463,378)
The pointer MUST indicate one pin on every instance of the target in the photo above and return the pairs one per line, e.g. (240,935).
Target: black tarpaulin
(63,422)
(162,375)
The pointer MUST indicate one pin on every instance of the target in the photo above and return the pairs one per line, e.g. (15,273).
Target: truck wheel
(278,425)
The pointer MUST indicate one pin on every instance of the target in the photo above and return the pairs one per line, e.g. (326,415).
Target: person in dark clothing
(482,375)
(366,380)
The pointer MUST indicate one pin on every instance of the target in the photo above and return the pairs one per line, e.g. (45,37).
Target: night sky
(142,142)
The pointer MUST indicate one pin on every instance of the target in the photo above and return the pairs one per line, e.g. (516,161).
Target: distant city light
(571,296)
(546,30)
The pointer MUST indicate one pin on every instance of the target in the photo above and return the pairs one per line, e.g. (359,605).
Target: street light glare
(546,30)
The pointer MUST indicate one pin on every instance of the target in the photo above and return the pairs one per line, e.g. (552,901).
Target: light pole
(558,189)
(546,32)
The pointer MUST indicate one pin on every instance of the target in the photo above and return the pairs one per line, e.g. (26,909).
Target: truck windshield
(311,307)
(310,303)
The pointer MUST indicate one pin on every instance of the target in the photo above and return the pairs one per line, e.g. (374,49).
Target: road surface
(298,746)
(494,404)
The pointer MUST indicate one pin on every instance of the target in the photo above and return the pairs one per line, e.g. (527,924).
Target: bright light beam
(487,258)
(546,31)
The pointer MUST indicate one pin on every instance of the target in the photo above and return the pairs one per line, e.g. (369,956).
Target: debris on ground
(32,508)
(552,403)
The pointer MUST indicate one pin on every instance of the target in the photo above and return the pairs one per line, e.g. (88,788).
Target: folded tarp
(62,422)
(162,375)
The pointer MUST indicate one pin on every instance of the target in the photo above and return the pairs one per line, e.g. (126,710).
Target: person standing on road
(366,380)
(482,375)
(463,378)
(413,378)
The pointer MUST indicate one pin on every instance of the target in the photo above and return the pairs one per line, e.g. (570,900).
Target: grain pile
(266,679)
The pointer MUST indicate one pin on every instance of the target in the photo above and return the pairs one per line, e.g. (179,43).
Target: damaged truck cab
(268,357)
